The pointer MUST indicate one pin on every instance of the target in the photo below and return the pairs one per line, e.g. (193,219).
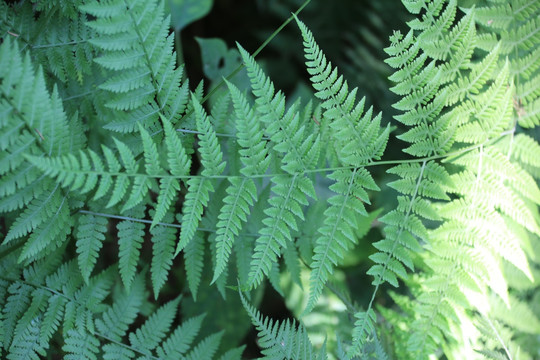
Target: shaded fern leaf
(49,296)
(281,341)
(136,49)
(194,262)
(199,188)
(359,140)
(130,239)
(300,151)
(80,344)
(120,175)
(358,136)
(163,241)
(30,110)
(90,236)
(242,193)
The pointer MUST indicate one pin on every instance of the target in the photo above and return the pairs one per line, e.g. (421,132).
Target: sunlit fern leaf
(364,330)
(281,341)
(242,193)
(515,25)
(292,262)
(527,151)
(199,188)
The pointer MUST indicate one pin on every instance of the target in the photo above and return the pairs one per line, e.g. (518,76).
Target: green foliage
(111,167)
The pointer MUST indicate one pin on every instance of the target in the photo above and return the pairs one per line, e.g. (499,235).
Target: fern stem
(128,218)
(187,131)
(499,338)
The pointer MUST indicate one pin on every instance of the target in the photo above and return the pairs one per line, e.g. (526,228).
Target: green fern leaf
(144,80)
(199,189)
(194,262)
(179,342)
(27,345)
(163,240)
(337,233)
(130,239)
(179,162)
(36,213)
(280,341)
(242,193)
(118,317)
(150,334)
(80,345)
(206,348)
(299,153)
(359,138)
(90,236)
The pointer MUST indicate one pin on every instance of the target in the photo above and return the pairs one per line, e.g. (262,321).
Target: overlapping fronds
(48,300)
(515,25)
(359,140)
(33,122)
(449,100)
(136,50)
(300,152)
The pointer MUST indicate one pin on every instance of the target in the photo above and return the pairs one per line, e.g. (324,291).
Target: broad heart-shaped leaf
(184,12)
(219,61)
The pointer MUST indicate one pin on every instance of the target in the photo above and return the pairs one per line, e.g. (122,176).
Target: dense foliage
(149,214)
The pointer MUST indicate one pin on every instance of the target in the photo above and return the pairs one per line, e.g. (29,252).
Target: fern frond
(358,137)
(194,262)
(340,222)
(35,123)
(242,193)
(199,189)
(116,320)
(281,341)
(300,151)
(179,342)
(163,241)
(147,337)
(80,344)
(90,237)
(130,239)
(137,50)
(206,348)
